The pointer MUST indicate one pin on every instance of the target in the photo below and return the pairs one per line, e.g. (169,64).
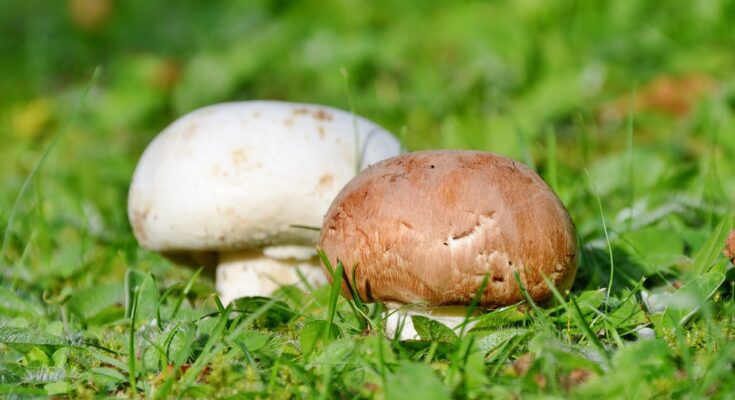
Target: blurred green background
(638,92)
(626,108)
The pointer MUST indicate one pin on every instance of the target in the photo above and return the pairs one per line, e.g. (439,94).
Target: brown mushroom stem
(398,319)
(249,273)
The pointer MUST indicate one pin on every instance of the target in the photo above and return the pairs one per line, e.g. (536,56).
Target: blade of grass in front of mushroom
(359,308)
(402,319)
(325,261)
(333,297)
(355,303)
(473,305)
(540,315)
(37,167)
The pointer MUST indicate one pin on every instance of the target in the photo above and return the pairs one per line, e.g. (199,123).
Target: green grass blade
(607,235)
(207,352)
(712,248)
(131,341)
(537,311)
(36,168)
(579,319)
(185,292)
(333,297)
(631,169)
(325,260)
(551,160)
(356,304)
(475,302)
(355,128)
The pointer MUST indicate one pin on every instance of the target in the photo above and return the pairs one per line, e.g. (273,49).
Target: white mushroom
(233,185)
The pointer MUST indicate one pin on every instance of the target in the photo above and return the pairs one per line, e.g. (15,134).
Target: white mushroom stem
(248,273)
(398,318)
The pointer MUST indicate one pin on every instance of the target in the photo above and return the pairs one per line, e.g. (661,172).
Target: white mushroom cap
(240,175)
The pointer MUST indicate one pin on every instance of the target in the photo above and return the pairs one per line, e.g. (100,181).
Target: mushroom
(424,230)
(233,186)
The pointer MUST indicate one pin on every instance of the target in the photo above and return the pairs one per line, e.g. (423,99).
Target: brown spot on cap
(325,181)
(216,170)
(190,131)
(317,113)
(429,227)
(238,156)
(675,96)
(139,216)
(322,115)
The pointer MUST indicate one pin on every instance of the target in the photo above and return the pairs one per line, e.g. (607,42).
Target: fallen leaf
(89,14)
(674,96)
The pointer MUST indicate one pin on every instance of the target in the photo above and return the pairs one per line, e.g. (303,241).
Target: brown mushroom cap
(426,228)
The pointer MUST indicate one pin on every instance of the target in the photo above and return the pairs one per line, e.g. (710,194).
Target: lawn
(626,108)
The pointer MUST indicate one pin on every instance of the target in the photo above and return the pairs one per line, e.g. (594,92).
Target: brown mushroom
(426,228)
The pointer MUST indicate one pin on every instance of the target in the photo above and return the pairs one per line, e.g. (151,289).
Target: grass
(625,107)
